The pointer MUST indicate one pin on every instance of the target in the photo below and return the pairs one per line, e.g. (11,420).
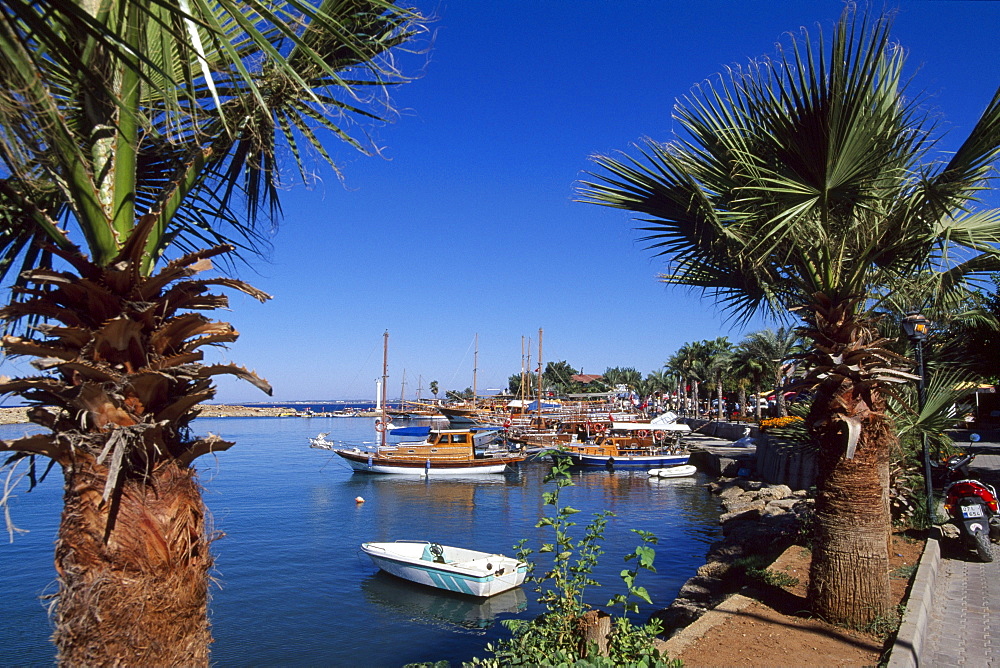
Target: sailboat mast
(523,377)
(385,379)
(475,368)
(539,407)
(402,393)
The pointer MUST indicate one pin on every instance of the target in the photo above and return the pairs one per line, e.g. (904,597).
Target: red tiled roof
(586,377)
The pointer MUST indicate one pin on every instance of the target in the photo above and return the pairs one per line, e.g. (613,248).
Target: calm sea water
(293,588)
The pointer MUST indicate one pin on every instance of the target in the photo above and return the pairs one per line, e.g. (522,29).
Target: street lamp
(917,327)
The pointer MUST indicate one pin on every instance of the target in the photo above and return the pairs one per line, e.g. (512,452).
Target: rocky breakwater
(13,415)
(759,522)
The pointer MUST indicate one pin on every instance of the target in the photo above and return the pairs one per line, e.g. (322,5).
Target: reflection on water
(293,589)
(425,605)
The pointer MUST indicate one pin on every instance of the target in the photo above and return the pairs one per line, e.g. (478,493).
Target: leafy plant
(557,637)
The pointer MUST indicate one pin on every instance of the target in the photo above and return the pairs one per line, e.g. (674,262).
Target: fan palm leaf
(803,184)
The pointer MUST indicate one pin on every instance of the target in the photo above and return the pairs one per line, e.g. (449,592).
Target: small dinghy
(451,568)
(674,471)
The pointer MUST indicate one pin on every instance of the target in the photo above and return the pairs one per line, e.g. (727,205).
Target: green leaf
(642,593)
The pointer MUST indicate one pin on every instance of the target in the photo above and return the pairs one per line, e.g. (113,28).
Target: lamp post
(917,327)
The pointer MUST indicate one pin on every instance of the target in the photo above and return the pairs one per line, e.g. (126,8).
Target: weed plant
(755,568)
(554,638)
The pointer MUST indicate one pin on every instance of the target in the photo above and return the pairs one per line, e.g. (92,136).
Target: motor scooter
(972,507)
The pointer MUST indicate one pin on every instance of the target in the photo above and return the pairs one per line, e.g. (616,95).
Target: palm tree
(660,381)
(804,184)
(132,131)
(749,365)
(677,364)
(435,388)
(687,362)
(774,349)
(718,362)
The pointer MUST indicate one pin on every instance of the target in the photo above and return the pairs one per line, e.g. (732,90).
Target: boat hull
(626,461)
(468,572)
(674,471)
(365,462)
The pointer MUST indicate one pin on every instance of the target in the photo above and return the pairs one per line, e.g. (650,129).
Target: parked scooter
(971,506)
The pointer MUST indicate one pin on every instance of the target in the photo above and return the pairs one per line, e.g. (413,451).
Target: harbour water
(294,590)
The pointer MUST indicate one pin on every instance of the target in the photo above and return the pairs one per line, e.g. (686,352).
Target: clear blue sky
(466,224)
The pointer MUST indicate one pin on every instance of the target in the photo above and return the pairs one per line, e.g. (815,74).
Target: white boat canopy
(647,426)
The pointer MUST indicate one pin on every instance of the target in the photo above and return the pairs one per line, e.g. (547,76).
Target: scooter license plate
(968,512)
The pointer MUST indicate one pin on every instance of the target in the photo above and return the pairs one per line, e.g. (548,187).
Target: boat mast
(402,393)
(524,369)
(539,407)
(475,368)
(385,379)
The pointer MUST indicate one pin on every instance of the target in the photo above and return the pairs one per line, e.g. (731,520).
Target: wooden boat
(674,471)
(631,445)
(443,452)
(454,569)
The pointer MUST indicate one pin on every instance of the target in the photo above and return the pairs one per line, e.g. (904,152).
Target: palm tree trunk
(722,410)
(849,578)
(141,597)
(779,396)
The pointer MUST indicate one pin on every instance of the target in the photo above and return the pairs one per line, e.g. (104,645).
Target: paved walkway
(963,627)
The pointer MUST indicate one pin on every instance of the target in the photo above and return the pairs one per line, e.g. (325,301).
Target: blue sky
(466,224)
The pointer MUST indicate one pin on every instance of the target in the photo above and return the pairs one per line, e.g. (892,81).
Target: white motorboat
(674,471)
(319,441)
(453,569)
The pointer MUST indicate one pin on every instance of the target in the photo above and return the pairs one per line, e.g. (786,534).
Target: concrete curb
(905,652)
(691,633)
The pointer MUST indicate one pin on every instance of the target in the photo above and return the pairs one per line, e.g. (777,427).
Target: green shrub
(554,639)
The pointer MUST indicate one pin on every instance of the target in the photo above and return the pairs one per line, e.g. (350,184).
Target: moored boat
(455,452)
(682,471)
(454,569)
(641,445)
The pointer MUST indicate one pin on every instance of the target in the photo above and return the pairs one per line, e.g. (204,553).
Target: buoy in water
(359,499)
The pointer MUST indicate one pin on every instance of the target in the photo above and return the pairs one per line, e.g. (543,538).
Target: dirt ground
(776,630)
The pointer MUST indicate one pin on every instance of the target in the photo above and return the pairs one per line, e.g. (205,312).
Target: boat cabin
(450,443)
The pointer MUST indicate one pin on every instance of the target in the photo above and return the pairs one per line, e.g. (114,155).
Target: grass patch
(755,568)
(904,572)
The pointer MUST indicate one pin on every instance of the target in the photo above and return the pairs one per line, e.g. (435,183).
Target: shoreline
(19,414)
(14,415)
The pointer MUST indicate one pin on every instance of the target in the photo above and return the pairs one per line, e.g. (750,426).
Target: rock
(714,569)
(776,491)
(751,485)
(746,513)
(701,589)
(726,551)
(677,616)
(732,492)
(784,504)
(694,592)
(742,503)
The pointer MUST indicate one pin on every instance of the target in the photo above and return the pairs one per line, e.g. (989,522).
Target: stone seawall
(757,520)
(15,415)
(19,414)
